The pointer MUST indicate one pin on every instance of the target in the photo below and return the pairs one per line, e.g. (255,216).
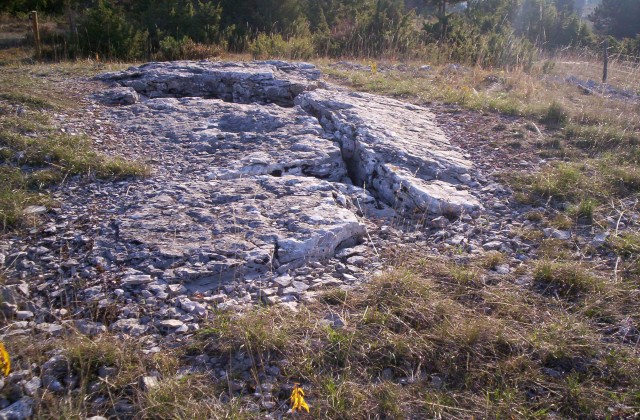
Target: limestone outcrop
(269,81)
(395,149)
(277,168)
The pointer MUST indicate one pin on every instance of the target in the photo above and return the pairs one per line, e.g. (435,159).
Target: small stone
(283,281)
(219,298)
(119,96)
(124,408)
(553,373)
(456,240)
(187,305)
(268,405)
(89,328)
(107,371)
(51,329)
(30,210)
(502,269)
(269,291)
(57,365)
(386,374)
(561,234)
(270,300)
(177,289)
(465,178)
(600,239)
(170,324)
(24,315)
(136,279)
(349,277)
(148,382)
(436,382)
(357,260)
(52,384)
(334,320)
(557,234)
(299,286)
(236,386)
(94,387)
(19,410)
(8,309)
(32,386)
(440,222)
(492,246)
(130,326)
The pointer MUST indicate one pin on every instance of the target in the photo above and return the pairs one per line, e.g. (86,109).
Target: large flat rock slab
(396,149)
(240,227)
(257,189)
(229,140)
(261,168)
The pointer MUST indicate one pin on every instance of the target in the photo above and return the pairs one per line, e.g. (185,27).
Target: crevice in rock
(393,184)
(349,145)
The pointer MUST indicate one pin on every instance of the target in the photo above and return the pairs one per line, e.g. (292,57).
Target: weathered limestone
(242,226)
(394,148)
(274,167)
(268,81)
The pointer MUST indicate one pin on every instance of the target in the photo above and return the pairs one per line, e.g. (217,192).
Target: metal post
(605,56)
(33,17)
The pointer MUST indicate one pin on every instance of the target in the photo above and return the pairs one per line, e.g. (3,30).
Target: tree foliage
(492,32)
(619,18)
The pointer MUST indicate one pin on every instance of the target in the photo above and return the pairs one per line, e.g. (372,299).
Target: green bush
(265,46)
(104,32)
(556,114)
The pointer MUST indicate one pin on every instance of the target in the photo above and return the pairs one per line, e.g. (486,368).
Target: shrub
(265,46)
(556,114)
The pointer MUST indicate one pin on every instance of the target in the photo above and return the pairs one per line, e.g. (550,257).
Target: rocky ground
(256,197)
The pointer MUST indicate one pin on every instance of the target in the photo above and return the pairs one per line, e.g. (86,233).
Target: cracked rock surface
(267,186)
(275,163)
(396,149)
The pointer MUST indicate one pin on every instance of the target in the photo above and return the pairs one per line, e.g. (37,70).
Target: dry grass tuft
(34,154)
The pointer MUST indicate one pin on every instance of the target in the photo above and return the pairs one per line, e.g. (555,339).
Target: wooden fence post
(605,57)
(33,16)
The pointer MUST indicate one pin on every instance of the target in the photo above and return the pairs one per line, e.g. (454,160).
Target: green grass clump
(600,138)
(622,179)
(583,184)
(189,397)
(584,210)
(626,244)
(567,278)
(493,259)
(563,181)
(15,195)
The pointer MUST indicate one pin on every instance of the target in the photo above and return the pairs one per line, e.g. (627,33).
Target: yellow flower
(5,362)
(297,399)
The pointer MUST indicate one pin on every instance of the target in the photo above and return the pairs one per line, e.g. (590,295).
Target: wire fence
(623,69)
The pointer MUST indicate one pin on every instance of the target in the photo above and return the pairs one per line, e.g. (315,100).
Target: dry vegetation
(34,153)
(420,341)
